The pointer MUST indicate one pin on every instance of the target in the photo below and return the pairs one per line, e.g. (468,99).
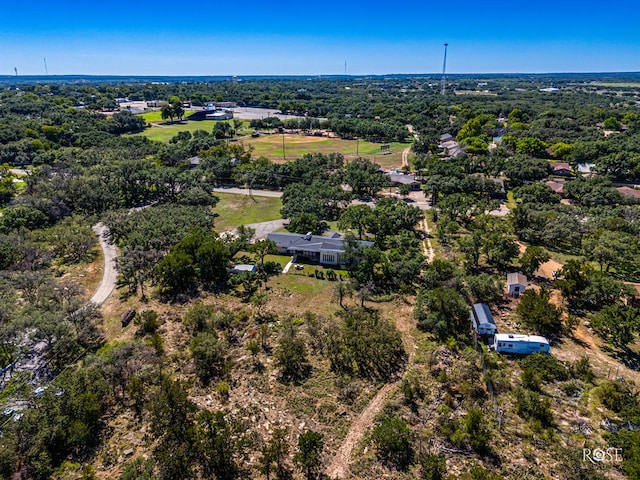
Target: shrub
(393,441)
(533,406)
(546,367)
(291,357)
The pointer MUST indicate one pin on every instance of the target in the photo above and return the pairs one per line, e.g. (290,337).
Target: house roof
(445,137)
(311,243)
(515,278)
(629,192)
(403,179)
(482,314)
(555,186)
(560,166)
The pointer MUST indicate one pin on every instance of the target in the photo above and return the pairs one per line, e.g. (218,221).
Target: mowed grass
(234,210)
(156,116)
(161,132)
(295,146)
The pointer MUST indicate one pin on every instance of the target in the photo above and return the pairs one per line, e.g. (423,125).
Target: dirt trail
(406,151)
(405,156)
(339,466)
(426,245)
(586,344)
(109,275)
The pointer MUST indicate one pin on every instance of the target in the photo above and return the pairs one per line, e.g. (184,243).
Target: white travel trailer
(520,344)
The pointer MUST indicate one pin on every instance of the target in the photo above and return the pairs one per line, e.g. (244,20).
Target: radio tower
(444,68)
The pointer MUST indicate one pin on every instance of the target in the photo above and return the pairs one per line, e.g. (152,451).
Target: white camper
(520,344)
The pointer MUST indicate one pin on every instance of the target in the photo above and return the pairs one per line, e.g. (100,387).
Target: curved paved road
(109,275)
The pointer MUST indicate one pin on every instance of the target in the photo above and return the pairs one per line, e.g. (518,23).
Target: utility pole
(444,68)
(284,154)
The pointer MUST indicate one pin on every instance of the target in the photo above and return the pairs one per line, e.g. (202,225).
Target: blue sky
(310,38)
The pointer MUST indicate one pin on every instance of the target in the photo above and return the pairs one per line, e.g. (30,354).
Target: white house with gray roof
(324,250)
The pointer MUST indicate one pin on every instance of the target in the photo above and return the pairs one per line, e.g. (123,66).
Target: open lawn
(163,132)
(234,210)
(295,146)
(156,116)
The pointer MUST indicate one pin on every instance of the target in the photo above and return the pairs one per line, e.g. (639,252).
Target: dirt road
(405,156)
(426,245)
(247,191)
(339,466)
(109,275)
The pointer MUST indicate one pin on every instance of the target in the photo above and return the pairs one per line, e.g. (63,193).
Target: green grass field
(156,116)
(165,132)
(295,146)
(235,210)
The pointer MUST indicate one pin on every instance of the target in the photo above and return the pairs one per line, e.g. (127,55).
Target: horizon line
(311,75)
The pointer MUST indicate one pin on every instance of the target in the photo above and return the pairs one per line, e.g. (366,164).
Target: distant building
(585,169)
(520,344)
(516,283)
(212,106)
(555,186)
(316,248)
(219,115)
(446,137)
(157,103)
(550,90)
(562,169)
(398,179)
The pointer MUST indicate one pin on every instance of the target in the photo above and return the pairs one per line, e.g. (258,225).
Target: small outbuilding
(520,344)
(516,283)
(482,321)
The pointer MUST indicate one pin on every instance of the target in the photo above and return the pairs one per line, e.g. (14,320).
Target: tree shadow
(626,356)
